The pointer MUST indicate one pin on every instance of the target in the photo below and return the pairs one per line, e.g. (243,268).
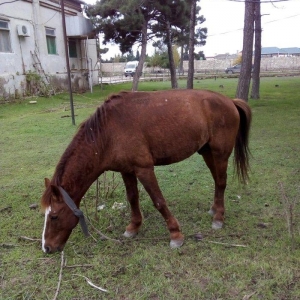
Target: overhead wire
(238,29)
(8,2)
(259,1)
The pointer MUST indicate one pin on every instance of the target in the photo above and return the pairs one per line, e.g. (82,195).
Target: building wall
(18,66)
(267,64)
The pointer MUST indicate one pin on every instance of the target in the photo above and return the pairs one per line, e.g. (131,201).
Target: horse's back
(182,106)
(169,126)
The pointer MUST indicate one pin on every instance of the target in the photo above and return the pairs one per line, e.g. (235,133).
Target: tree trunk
(190,78)
(245,75)
(140,66)
(257,54)
(171,57)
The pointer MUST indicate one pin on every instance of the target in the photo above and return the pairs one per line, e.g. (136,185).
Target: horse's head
(59,219)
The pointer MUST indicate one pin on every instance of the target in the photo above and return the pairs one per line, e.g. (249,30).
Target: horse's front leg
(130,182)
(149,181)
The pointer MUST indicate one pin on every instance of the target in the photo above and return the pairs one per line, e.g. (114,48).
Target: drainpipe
(36,24)
(91,75)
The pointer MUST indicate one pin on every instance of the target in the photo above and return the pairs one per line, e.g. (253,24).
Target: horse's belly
(169,154)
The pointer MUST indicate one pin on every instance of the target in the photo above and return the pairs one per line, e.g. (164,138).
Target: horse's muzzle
(49,249)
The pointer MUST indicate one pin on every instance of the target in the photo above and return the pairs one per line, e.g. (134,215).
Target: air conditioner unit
(23,30)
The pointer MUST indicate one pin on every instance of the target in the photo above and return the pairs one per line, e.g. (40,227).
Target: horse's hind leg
(133,199)
(217,163)
(149,181)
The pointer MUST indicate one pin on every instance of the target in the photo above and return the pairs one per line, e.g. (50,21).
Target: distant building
(274,51)
(32,52)
(224,56)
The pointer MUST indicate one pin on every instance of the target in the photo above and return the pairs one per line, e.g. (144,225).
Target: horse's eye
(53,217)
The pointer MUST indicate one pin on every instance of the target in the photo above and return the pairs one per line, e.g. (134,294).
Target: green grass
(34,136)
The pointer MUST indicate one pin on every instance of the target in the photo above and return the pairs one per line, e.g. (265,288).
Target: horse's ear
(47,182)
(55,191)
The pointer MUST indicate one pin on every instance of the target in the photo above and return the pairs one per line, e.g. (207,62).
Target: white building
(32,49)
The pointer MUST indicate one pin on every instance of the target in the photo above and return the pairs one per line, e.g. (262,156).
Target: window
(4,37)
(51,42)
(72,48)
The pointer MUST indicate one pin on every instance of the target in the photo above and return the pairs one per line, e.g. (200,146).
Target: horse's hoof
(176,243)
(211,212)
(217,225)
(129,234)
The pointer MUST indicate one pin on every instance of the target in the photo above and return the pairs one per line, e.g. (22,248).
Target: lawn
(255,256)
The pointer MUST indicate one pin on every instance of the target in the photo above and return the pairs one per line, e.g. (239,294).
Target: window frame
(7,38)
(51,40)
(72,48)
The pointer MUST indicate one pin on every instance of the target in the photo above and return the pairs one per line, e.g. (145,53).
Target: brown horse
(133,132)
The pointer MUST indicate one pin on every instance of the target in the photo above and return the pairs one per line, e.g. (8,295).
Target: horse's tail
(241,148)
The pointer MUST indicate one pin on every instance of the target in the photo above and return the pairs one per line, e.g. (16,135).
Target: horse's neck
(80,171)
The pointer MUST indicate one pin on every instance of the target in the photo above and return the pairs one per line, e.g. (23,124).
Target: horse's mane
(91,131)
(94,126)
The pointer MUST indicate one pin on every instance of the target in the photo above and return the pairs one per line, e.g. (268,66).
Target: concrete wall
(17,67)
(267,64)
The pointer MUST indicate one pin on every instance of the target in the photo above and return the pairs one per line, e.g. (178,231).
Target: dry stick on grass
(29,239)
(7,246)
(103,235)
(79,266)
(92,284)
(111,187)
(60,275)
(247,297)
(99,232)
(289,207)
(97,198)
(227,244)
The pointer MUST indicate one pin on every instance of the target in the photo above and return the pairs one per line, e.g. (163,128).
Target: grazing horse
(133,132)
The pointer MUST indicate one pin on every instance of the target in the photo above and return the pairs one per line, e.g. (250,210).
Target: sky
(225,22)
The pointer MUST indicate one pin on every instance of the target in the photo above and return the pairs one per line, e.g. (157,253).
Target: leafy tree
(178,31)
(200,55)
(183,36)
(161,57)
(176,55)
(137,21)
(155,60)
(238,60)
(172,15)
(124,23)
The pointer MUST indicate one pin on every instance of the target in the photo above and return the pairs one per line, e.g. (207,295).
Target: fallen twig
(79,266)
(247,297)
(92,284)
(103,235)
(227,244)
(29,239)
(289,207)
(60,275)
(7,245)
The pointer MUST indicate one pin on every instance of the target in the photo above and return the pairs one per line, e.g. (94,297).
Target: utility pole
(67,60)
